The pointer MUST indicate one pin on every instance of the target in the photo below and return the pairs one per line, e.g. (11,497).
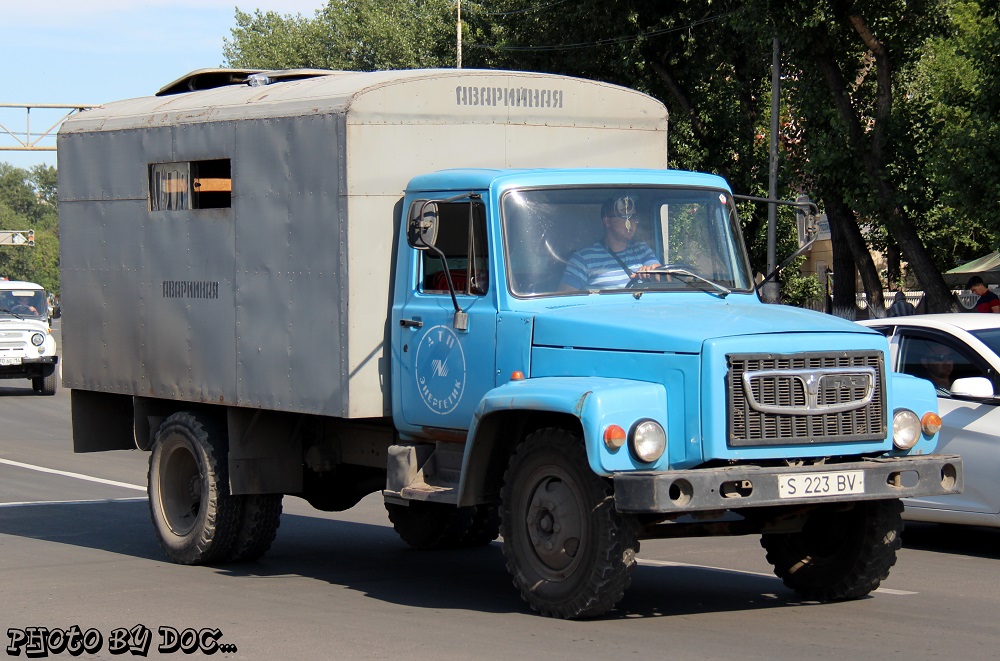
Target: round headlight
(905,429)
(38,339)
(647,440)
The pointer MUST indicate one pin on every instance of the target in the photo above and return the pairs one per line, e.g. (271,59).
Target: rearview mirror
(422,228)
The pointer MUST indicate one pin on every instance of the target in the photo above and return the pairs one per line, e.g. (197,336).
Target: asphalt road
(77,550)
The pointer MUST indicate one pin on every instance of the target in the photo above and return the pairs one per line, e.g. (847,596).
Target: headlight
(647,440)
(905,429)
(38,339)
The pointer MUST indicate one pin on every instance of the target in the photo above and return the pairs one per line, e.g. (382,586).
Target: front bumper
(738,487)
(28,368)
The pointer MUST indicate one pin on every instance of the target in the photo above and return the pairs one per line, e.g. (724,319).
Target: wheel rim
(180,488)
(554,522)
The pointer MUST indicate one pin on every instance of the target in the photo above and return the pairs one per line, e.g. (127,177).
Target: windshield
(28,303)
(990,337)
(584,240)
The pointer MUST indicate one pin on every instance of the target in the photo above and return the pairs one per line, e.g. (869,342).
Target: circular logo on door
(440,369)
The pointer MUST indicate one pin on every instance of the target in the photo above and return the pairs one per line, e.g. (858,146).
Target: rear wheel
(195,518)
(839,554)
(569,551)
(425,525)
(259,521)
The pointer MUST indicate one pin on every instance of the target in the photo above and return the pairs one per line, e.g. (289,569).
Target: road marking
(78,476)
(667,563)
(72,502)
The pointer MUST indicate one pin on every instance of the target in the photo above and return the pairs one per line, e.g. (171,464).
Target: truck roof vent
(206,79)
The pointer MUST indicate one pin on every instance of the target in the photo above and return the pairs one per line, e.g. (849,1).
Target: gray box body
(281,301)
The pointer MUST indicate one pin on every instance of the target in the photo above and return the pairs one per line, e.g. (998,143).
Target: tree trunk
(870,145)
(849,252)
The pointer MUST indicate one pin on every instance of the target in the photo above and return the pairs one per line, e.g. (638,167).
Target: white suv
(27,348)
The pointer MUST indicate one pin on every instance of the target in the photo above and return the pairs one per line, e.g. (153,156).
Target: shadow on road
(972,541)
(372,560)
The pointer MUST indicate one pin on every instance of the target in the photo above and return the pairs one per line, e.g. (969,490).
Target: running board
(424,471)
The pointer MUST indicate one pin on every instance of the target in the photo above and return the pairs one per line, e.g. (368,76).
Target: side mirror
(422,228)
(975,387)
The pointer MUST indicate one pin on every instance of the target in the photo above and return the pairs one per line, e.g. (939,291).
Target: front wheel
(569,551)
(839,554)
(195,518)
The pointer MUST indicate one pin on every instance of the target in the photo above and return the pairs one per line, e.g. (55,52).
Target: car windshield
(599,239)
(28,303)
(990,337)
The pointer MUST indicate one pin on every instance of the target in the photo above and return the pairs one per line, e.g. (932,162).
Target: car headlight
(905,429)
(38,339)
(647,440)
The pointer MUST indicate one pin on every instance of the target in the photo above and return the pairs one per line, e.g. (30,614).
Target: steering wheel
(21,308)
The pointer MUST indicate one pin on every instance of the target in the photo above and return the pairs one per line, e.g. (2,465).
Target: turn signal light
(614,437)
(930,423)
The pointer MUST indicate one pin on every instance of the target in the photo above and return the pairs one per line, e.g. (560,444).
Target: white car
(959,353)
(27,348)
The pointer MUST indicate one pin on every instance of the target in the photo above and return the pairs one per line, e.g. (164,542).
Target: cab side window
(939,362)
(462,238)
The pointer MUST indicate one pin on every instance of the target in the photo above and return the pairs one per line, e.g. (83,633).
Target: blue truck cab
(597,400)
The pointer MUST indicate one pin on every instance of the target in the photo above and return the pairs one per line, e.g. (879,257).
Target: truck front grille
(806,398)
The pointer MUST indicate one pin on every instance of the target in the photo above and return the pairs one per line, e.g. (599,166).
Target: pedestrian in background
(900,306)
(988,301)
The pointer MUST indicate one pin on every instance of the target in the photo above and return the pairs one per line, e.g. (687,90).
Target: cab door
(447,334)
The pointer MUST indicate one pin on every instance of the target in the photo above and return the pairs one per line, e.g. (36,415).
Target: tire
(425,525)
(46,383)
(195,518)
(259,521)
(485,526)
(839,554)
(569,551)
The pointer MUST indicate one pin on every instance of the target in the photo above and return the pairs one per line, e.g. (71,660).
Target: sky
(93,51)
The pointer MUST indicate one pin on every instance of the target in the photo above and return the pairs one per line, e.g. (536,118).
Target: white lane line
(667,563)
(28,503)
(78,476)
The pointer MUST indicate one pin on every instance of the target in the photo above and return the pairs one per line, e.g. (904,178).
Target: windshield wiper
(675,270)
(13,314)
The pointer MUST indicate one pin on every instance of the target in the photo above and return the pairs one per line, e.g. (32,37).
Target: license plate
(812,485)
(10,361)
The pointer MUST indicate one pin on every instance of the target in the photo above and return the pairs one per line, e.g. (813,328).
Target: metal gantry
(12,140)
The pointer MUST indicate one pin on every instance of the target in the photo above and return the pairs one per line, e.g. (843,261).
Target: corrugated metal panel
(291,285)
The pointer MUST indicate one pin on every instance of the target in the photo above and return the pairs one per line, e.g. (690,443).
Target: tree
(28,201)
(352,35)
(858,52)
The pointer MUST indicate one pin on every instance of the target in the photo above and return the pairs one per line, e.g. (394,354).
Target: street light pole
(458,35)
(771,289)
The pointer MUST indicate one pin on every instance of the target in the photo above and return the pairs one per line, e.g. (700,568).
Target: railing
(965,298)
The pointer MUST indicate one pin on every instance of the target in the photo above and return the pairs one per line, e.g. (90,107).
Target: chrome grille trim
(806,398)
(816,385)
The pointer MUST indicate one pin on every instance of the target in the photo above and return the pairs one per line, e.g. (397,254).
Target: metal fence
(965,298)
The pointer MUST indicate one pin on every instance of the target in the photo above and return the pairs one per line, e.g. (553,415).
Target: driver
(612,262)
(19,305)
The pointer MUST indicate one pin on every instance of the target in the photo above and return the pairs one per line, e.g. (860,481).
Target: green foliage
(28,201)
(353,35)
(798,289)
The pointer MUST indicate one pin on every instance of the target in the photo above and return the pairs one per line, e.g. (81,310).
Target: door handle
(411,323)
